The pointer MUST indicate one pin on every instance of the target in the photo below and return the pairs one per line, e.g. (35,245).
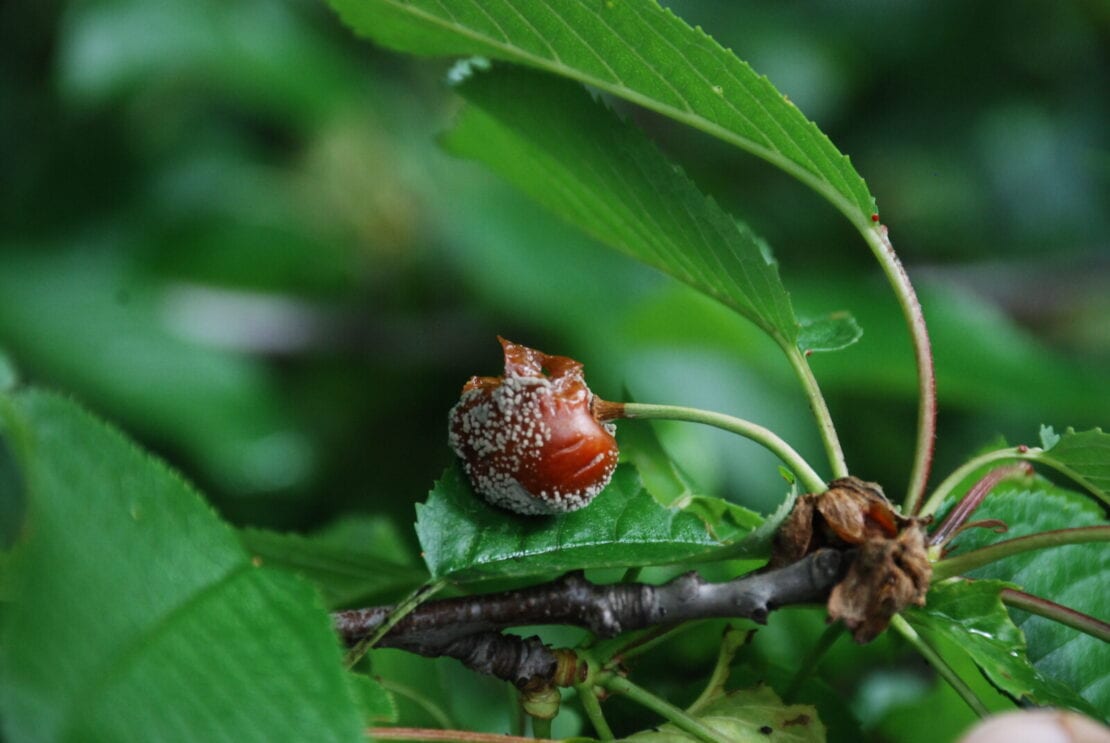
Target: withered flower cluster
(891,569)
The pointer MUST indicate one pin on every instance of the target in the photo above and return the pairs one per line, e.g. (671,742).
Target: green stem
(637,643)
(403,609)
(517,718)
(964,471)
(632,574)
(731,643)
(1026,453)
(541,728)
(767,438)
(827,639)
(961,564)
(592,707)
(938,663)
(645,698)
(1057,613)
(879,242)
(820,409)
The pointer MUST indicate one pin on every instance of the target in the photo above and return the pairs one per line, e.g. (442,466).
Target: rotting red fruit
(529,441)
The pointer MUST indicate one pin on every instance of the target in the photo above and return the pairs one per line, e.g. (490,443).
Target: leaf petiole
(809,478)
(673,714)
(820,410)
(731,643)
(879,242)
(809,664)
(1056,612)
(592,707)
(961,564)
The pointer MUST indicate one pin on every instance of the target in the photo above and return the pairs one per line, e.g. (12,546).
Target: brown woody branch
(469,628)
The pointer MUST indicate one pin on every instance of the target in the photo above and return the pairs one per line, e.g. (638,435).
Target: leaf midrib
(116,667)
(686,116)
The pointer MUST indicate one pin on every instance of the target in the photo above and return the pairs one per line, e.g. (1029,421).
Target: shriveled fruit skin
(529,441)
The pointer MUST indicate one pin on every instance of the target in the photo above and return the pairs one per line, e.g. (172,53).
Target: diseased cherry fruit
(529,441)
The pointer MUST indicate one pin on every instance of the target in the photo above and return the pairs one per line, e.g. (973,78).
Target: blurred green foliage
(227,227)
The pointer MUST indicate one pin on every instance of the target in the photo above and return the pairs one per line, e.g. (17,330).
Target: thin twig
(606,610)
(468,628)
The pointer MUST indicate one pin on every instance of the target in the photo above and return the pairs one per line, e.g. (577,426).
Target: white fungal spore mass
(505,429)
(528,440)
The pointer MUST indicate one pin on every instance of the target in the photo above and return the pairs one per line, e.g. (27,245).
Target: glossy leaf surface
(1073,575)
(747,716)
(466,539)
(971,615)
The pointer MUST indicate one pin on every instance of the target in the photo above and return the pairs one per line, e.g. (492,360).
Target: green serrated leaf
(1072,575)
(549,138)
(374,700)
(829,333)
(747,716)
(138,614)
(970,614)
(1086,454)
(344,573)
(635,50)
(466,539)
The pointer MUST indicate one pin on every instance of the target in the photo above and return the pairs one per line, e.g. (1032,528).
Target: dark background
(227,227)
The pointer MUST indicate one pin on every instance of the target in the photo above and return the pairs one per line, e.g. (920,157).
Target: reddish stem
(1057,613)
(879,240)
(974,498)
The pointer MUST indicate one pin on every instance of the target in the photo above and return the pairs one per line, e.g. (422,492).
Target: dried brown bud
(891,569)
